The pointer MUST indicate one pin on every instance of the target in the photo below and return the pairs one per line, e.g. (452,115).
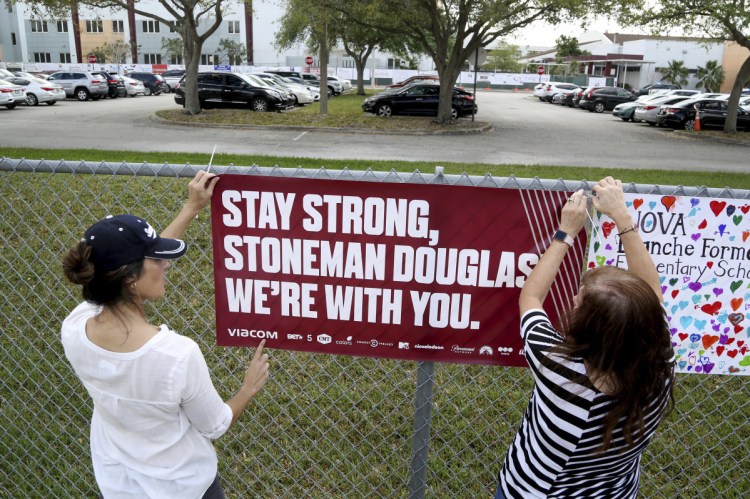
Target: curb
(684,134)
(485,127)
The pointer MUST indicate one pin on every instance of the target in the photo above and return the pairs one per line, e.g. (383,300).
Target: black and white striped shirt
(556,452)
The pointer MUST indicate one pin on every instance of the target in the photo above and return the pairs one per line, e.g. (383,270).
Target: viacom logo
(324,339)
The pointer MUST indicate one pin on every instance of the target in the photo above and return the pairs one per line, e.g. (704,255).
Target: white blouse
(155,412)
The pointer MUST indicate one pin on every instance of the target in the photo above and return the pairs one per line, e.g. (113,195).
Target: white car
(11,95)
(133,87)
(300,93)
(539,91)
(647,110)
(313,89)
(38,90)
(553,88)
(346,85)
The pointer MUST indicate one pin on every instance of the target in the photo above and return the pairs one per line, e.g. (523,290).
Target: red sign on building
(405,271)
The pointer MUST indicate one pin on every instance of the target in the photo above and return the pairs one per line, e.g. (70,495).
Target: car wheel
(384,110)
(82,94)
(689,124)
(454,113)
(296,101)
(599,107)
(11,106)
(51,103)
(31,100)
(651,123)
(147,92)
(330,92)
(260,105)
(635,120)
(624,119)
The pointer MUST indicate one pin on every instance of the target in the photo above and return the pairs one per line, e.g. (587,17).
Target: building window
(13,38)
(234,26)
(118,27)
(42,57)
(65,57)
(94,26)
(62,26)
(209,59)
(152,58)
(38,26)
(150,26)
(175,59)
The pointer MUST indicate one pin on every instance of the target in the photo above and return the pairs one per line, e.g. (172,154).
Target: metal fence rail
(325,426)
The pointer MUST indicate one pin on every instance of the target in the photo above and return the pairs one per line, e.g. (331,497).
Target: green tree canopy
(567,46)
(504,57)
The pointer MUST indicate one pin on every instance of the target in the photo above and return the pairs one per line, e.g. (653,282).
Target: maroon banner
(404,271)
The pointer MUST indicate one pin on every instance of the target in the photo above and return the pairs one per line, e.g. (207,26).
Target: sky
(543,34)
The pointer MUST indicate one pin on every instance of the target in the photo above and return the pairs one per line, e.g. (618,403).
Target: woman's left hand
(200,189)
(573,215)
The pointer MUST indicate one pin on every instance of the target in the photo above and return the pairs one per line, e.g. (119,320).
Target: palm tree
(711,77)
(675,73)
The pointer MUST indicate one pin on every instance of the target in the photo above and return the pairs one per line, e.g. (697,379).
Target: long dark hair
(101,288)
(619,328)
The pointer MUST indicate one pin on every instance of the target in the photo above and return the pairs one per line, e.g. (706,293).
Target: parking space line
(299,136)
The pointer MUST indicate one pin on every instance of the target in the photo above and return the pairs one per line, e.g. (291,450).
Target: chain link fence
(324,426)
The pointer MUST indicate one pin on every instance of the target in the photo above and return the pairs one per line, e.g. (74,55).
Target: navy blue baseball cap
(122,239)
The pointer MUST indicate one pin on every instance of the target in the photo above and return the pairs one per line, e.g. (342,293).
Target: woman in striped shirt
(604,383)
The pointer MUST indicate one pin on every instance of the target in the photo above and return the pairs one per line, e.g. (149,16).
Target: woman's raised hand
(573,214)
(200,189)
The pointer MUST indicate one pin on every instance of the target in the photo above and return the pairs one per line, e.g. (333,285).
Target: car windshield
(255,80)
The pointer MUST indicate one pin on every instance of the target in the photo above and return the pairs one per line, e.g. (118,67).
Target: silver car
(647,111)
(11,94)
(38,90)
(81,84)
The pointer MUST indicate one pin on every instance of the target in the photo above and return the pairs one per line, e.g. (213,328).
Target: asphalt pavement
(524,131)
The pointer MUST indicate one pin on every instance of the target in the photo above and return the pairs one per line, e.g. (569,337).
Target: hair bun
(77,264)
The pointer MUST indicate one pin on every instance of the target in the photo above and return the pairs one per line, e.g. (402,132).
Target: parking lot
(525,131)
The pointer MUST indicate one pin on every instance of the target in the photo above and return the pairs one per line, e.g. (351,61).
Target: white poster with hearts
(701,248)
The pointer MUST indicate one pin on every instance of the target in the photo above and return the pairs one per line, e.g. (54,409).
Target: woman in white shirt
(155,407)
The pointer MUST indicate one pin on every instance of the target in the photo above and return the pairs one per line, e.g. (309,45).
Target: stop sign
(309,60)
(92,59)
(540,70)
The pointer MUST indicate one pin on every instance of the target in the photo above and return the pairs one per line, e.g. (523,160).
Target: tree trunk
(730,125)
(445,107)
(360,75)
(193,47)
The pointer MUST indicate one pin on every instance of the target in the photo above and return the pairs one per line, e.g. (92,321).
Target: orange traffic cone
(697,125)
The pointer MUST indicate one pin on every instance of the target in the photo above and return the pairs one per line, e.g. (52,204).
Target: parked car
(171,78)
(420,99)
(5,74)
(663,93)
(133,87)
(346,85)
(11,94)
(115,84)
(647,111)
(81,84)
(287,74)
(745,102)
(599,99)
(233,89)
(154,83)
(38,90)
(578,94)
(539,91)
(552,88)
(713,114)
(626,111)
(647,89)
(300,93)
(313,89)
(412,79)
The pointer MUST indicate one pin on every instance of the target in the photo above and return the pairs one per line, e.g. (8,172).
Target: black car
(713,114)
(655,86)
(599,99)
(419,99)
(154,83)
(216,88)
(115,83)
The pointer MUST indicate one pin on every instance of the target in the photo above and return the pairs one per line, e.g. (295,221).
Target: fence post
(421,438)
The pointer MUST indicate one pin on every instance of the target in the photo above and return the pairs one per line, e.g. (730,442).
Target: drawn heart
(682,364)
(722,317)
(652,204)
(607,228)
(592,265)
(696,298)
(738,328)
(608,247)
(685,321)
(741,343)
(722,229)
(745,235)
(717,291)
(675,292)
(703,224)
(733,369)
(684,304)
(663,289)
(723,339)
(732,353)
(736,318)
(737,219)
(717,206)
(694,202)
(673,281)
(745,208)
(736,303)
(600,260)
(637,203)
(695,236)
(707,366)
(719,350)
(596,246)
(712,308)
(695,286)
(735,285)
(710,265)
(730,209)
(683,336)
(668,201)
(708,340)
(699,325)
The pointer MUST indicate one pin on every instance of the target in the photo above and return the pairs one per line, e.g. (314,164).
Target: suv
(114,83)
(154,83)
(597,99)
(221,87)
(654,87)
(81,84)
(172,78)
(553,88)
(287,74)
